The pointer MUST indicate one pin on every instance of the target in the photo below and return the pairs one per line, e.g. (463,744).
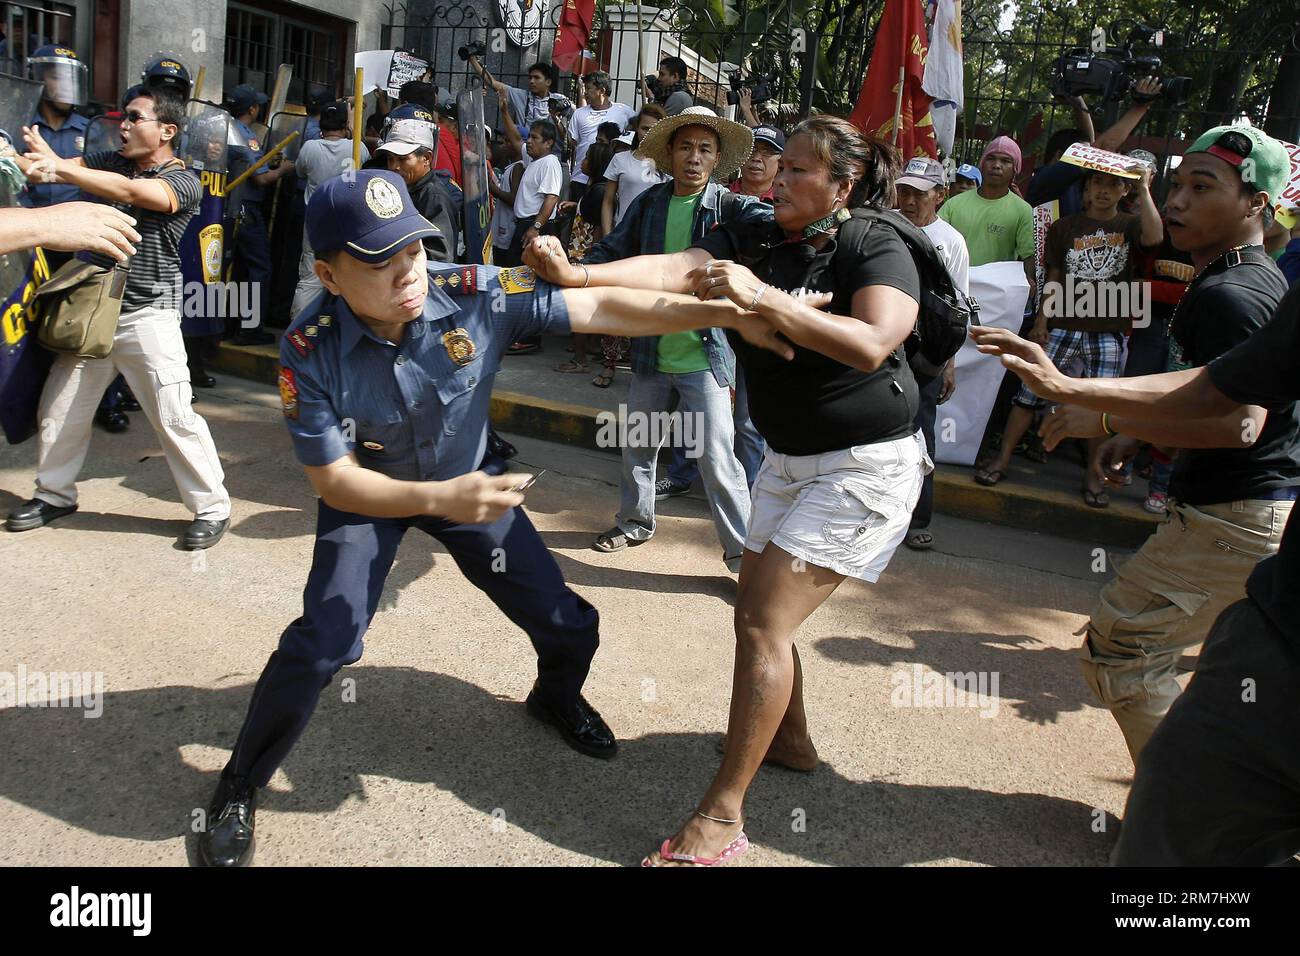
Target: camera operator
(668,89)
(526,107)
(1056,180)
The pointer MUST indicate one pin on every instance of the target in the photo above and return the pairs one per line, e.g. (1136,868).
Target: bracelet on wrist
(753,306)
(1105,425)
(586,276)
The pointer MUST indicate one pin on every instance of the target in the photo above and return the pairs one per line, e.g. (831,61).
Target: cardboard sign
(1102,160)
(389,69)
(1287,207)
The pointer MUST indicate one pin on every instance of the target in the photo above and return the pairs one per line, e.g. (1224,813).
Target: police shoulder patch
(517,279)
(288,393)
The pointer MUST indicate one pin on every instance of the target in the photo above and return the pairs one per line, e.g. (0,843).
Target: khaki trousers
(150,354)
(1164,600)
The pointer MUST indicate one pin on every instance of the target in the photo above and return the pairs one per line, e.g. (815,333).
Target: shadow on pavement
(1041,681)
(123,775)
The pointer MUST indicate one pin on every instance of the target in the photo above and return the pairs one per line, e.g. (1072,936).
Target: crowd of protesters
(815,439)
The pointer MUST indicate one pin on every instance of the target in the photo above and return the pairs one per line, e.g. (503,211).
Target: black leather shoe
(228,839)
(128,402)
(34,514)
(114,422)
(579,724)
(204,381)
(499,446)
(203,534)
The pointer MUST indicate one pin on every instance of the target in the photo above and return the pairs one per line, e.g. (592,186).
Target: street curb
(1123,524)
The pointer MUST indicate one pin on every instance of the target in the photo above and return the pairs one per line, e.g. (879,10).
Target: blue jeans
(712,434)
(749,444)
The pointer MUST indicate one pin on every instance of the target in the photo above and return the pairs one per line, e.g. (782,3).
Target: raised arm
(662,273)
(470,499)
(487,78)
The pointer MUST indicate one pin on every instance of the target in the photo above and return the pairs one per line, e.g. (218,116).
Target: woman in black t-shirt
(844,463)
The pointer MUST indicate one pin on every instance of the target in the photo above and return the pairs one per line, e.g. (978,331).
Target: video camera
(760,87)
(1082,71)
(473,48)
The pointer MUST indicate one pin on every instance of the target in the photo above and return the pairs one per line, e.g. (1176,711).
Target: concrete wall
(197,32)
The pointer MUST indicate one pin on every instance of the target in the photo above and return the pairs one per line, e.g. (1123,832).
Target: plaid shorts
(1099,351)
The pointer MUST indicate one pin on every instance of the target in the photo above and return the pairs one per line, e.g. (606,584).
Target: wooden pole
(358,115)
(898,104)
(197,92)
(256,167)
(640,47)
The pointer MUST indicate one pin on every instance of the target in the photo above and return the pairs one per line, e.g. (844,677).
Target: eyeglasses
(135,117)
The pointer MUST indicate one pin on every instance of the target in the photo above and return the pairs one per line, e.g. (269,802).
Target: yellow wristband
(1105,425)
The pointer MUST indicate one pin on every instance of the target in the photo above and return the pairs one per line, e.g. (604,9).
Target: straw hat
(737,140)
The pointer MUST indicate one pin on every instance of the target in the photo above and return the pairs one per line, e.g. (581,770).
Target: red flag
(900,45)
(570,52)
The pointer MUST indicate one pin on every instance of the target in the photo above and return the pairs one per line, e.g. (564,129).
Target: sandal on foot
(988,477)
(613,540)
(571,366)
(919,540)
(732,850)
(605,379)
(1095,499)
(523,348)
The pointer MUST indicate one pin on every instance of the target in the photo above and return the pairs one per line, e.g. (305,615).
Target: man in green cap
(1234,479)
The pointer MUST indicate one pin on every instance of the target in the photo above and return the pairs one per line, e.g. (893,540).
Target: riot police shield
(282,124)
(204,146)
(474,175)
(18,102)
(23,364)
(104,134)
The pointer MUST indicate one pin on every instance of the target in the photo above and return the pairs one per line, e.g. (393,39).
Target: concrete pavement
(422,753)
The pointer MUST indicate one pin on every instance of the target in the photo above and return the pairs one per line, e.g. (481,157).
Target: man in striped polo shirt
(145,179)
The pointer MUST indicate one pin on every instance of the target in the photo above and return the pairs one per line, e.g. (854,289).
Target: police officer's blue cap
(412,111)
(244,97)
(369,215)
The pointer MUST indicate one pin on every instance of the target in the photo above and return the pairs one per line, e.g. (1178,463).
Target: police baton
(253,169)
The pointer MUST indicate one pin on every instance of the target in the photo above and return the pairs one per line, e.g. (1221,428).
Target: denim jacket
(641,233)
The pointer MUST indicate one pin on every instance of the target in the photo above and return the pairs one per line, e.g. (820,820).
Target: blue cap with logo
(967,171)
(369,216)
(243,98)
(770,135)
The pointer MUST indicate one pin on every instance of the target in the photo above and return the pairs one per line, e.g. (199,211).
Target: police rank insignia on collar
(324,320)
(460,347)
(516,279)
(460,282)
(310,330)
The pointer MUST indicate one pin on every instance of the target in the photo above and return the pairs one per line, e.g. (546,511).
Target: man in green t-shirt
(693,370)
(998,225)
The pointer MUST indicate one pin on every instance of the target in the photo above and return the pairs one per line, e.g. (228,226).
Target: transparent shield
(18,100)
(474,174)
(282,124)
(205,140)
(103,135)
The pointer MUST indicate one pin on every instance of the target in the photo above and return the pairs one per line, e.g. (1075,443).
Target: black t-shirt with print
(1265,371)
(1223,307)
(813,404)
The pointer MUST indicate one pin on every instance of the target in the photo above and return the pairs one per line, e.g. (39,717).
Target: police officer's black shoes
(498,446)
(578,723)
(227,840)
(34,514)
(203,534)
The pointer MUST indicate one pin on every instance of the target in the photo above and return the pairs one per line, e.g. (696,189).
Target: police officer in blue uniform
(251,242)
(57,119)
(385,384)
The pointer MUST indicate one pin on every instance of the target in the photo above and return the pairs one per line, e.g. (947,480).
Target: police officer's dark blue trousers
(505,559)
(253,264)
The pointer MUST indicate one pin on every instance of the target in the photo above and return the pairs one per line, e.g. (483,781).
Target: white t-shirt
(631,176)
(583,126)
(953,252)
(503,216)
(542,177)
(322,159)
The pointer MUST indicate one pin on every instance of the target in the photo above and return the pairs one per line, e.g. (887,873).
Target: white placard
(1001,290)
